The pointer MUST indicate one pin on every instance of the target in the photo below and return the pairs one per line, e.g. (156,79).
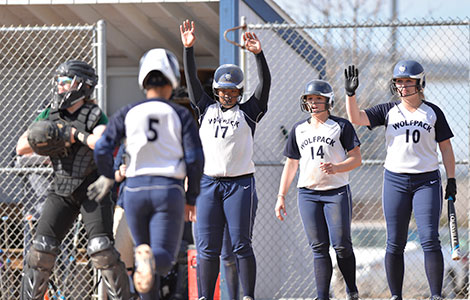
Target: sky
(407,9)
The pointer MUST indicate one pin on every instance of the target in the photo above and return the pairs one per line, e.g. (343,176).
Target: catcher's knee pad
(106,259)
(43,252)
(39,263)
(102,252)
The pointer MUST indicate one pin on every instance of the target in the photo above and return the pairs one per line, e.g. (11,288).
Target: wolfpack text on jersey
(411,137)
(330,143)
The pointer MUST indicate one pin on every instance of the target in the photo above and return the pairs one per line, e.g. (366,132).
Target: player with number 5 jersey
(324,148)
(163,148)
(228,193)
(414,128)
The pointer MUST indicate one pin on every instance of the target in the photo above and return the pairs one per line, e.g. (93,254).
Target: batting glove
(100,188)
(351,75)
(451,189)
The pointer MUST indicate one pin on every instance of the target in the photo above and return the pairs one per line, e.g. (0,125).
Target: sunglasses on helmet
(63,80)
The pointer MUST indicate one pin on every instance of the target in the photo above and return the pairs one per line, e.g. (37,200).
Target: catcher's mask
(408,69)
(82,79)
(319,88)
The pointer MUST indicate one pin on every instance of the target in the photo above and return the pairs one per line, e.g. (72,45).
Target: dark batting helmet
(320,88)
(408,69)
(228,76)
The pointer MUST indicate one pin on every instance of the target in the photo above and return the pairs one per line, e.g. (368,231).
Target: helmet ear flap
(422,83)
(304,107)
(393,88)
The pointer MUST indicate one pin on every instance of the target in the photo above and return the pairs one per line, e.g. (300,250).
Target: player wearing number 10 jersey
(414,128)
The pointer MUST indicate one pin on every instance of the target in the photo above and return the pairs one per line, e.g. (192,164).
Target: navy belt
(229,178)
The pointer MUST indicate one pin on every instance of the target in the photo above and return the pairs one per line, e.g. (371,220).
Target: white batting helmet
(162,60)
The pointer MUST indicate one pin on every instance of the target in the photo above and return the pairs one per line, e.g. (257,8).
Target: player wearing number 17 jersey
(228,193)
(325,148)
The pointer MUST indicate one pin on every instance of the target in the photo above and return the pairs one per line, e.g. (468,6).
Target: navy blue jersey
(411,137)
(330,142)
(161,140)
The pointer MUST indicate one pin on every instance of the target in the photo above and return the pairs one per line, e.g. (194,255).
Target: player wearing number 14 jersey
(325,148)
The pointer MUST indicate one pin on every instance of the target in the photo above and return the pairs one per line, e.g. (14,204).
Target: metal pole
(242,55)
(394,31)
(468,183)
(102,99)
(101,64)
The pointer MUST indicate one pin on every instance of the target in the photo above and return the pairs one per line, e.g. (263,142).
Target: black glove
(351,75)
(48,138)
(451,189)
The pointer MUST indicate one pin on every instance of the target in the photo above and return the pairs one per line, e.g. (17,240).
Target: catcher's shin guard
(39,263)
(106,259)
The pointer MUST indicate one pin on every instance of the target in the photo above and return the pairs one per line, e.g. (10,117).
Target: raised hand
(351,75)
(187,34)
(252,42)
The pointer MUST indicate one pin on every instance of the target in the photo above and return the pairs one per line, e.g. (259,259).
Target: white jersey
(330,142)
(411,137)
(151,151)
(161,140)
(227,140)
(227,134)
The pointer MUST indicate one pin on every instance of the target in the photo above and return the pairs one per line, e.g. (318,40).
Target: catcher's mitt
(49,138)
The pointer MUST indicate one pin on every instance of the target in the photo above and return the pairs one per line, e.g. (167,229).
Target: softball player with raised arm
(324,148)
(414,128)
(163,147)
(228,193)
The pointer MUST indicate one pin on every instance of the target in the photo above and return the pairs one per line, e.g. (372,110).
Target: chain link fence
(297,54)
(28,59)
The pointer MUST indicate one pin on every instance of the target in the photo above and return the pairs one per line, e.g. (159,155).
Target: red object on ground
(192,278)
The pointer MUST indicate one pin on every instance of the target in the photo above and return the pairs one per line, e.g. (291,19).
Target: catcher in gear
(67,132)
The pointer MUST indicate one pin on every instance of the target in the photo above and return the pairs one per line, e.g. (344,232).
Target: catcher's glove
(49,138)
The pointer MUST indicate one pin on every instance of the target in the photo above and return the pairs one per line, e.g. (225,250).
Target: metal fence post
(101,67)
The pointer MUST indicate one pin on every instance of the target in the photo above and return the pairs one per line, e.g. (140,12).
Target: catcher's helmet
(228,76)
(84,80)
(408,69)
(320,88)
(159,67)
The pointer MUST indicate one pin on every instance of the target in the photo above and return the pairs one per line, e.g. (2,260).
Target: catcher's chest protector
(71,170)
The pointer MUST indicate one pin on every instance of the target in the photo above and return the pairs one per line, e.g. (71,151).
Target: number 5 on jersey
(152,134)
